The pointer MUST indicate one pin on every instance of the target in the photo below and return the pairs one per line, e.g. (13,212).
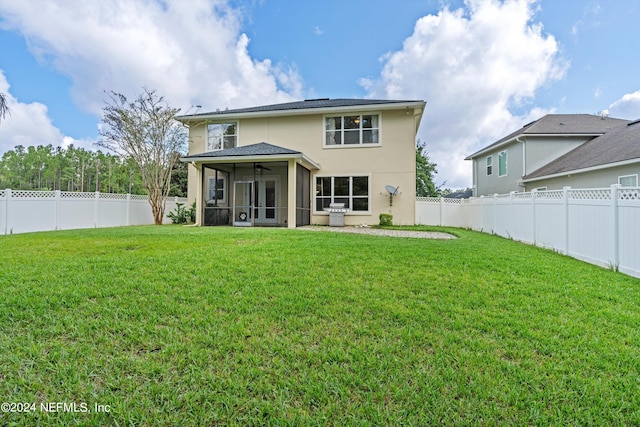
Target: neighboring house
(613,158)
(285,164)
(502,166)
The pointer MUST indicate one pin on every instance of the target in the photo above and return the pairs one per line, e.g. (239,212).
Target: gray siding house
(613,158)
(512,163)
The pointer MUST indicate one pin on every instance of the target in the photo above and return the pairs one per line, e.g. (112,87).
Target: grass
(220,326)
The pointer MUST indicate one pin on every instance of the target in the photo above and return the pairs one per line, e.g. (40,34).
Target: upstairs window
(221,136)
(502,163)
(362,129)
(489,165)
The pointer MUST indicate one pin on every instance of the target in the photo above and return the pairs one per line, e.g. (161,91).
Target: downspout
(524,160)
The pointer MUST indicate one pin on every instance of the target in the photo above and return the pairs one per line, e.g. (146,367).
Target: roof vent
(317,99)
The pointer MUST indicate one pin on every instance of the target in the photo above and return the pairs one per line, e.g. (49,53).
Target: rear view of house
(287,164)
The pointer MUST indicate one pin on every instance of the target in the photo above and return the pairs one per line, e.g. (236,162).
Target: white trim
(584,170)
(222,116)
(360,132)
(350,175)
(224,188)
(633,175)
(220,122)
(299,157)
(506,164)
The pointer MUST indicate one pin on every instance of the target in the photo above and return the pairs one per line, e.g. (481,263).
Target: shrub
(183,215)
(386,220)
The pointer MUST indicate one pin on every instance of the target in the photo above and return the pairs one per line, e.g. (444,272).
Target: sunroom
(259,185)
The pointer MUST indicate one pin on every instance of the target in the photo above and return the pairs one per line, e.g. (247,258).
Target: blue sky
(485,67)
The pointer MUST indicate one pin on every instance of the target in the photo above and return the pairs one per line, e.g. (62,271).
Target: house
(502,166)
(286,164)
(613,158)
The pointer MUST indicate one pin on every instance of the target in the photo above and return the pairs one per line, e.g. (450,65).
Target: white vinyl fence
(600,226)
(27,211)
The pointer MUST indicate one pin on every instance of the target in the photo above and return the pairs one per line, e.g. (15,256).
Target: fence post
(495,213)
(7,195)
(616,226)
(534,193)
(95,209)
(565,201)
(128,209)
(441,211)
(511,228)
(55,218)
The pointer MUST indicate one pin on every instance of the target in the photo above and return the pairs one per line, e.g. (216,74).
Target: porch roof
(260,152)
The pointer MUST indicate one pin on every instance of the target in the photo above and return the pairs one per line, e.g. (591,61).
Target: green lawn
(214,326)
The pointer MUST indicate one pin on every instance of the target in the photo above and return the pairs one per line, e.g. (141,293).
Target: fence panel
(629,231)
(590,220)
(29,211)
(600,226)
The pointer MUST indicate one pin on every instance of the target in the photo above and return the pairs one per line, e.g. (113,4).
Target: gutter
(304,111)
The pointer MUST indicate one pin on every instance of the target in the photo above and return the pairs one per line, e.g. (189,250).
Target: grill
(336,214)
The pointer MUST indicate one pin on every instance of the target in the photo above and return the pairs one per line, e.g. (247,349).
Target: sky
(484,67)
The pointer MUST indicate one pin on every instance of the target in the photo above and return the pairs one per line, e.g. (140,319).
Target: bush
(386,220)
(183,215)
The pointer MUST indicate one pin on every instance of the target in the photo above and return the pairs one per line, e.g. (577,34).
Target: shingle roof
(303,105)
(561,124)
(617,145)
(259,149)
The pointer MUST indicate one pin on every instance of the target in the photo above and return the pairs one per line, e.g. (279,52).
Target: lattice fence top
(629,194)
(552,194)
(526,196)
(74,195)
(595,194)
(435,200)
(19,194)
(428,199)
(139,197)
(2,193)
(111,196)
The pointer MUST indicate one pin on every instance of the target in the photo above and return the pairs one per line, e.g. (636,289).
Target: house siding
(594,179)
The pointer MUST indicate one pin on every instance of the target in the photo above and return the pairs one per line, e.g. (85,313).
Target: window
(489,165)
(352,130)
(353,191)
(217,190)
(502,163)
(221,136)
(628,180)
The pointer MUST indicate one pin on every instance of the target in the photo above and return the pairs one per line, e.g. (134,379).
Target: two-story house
(286,164)
(503,166)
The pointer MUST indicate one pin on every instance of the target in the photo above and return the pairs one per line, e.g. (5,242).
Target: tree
(4,107)
(145,130)
(425,171)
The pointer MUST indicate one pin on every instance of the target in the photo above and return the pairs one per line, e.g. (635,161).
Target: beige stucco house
(285,164)
(528,158)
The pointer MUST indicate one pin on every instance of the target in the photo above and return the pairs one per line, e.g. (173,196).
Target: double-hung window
(502,163)
(359,129)
(221,136)
(489,165)
(353,191)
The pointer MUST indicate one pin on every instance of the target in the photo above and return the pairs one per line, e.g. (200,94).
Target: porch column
(199,178)
(291,194)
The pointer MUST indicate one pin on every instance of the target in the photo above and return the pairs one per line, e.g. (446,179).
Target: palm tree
(4,108)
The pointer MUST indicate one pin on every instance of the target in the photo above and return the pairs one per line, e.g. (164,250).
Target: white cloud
(473,66)
(191,53)
(627,107)
(29,124)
